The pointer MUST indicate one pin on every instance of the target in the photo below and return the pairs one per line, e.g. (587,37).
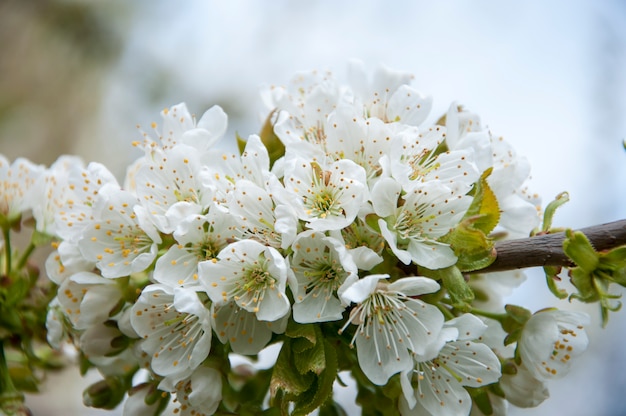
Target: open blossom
(262,214)
(412,226)
(438,383)
(121,240)
(199,394)
(387,95)
(169,186)
(76,210)
(198,238)
(392,325)
(180,127)
(550,340)
(16,182)
(327,197)
(88,299)
(175,326)
(321,265)
(250,274)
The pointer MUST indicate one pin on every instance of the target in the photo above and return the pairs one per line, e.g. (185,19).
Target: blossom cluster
(351,220)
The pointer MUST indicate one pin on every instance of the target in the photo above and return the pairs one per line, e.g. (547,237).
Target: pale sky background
(548,76)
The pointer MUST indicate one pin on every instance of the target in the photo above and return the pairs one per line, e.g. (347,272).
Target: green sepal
(454,282)
(513,323)
(481,399)
(275,147)
(241,143)
(614,263)
(106,394)
(550,210)
(372,221)
(579,249)
(552,276)
(332,408)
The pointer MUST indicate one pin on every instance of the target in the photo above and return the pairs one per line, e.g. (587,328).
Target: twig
(547,249)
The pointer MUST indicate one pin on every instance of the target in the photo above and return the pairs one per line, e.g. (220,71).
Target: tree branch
(547,249)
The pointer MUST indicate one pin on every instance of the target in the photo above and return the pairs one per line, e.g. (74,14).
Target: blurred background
(78,76)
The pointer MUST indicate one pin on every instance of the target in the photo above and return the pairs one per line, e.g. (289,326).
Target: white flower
(305,106)
(519,212)
(388,96)
(392,324)
(250,274)
(169,185)
(88,299)
(363,140)
(262,215)
(175,326)
(120,240)
(65,261)
(76,210)
(51,191)
(427,211)
(16,181)
(137,403)
(550,340)
(414,156)
(439,383)
(321,265)
(199,394)
(199,238)
(364,246)
(179,127)
(328,197)
(523,389)
(242,329)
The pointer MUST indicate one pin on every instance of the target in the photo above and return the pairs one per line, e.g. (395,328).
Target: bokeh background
(78,76)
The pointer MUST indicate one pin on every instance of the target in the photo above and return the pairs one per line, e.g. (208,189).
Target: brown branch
(547,249)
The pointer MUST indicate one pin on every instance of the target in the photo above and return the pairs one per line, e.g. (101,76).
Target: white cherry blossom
(121,240)
(321,265)
(198,238)
(252,275)
(16,182)
(551,340)
(180,127)
(413,224)
(328,197)
(392,325)
(88,299)
(439,383)
(170,187)
(175,327)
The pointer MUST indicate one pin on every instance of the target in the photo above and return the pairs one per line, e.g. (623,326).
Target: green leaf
(484,205)
(579,249)
(472,247)
(311,360)
(322,390)
(286,377)
(469,239)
